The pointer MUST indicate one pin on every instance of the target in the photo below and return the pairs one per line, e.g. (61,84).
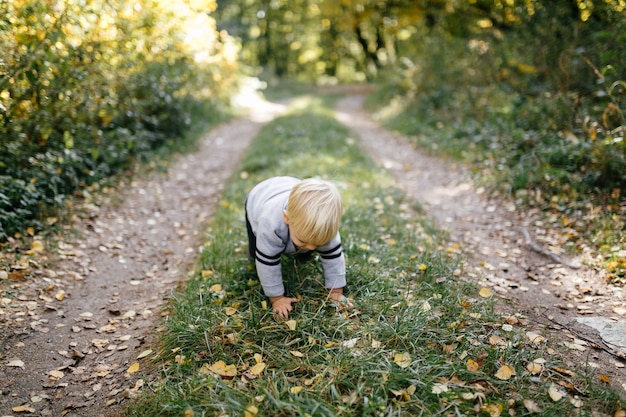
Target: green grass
(403,351)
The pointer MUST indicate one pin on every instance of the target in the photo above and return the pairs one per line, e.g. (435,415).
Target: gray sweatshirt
(264,207)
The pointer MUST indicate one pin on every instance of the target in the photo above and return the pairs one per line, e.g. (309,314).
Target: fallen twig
(535,247)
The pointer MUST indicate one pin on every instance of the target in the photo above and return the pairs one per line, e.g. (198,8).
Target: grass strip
(419,342)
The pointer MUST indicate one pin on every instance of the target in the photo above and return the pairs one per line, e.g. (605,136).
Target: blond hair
(314,209)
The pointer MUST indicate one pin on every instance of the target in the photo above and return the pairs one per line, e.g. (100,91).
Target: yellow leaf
(554,393)
(60,295)
(214,287)
(258,358)
(251,411)
(189,412)
(422,267)
(257,369)
(534,368)
(605,378)
(296,390)
(230,311)
(494,410)
(472,365)
(144,354)
(296,353)
(485,292)
(23,409)
(505,372)
(223,370)
(264,305)
(133,368)
(291,324)
(403,360)
(411,389)
(37,246)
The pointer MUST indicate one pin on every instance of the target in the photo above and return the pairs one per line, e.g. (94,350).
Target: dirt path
(70,337)
(575,305)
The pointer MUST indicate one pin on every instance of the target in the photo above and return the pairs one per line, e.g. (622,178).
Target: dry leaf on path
(16,363)
(133,368)
(23,409)
(485,292)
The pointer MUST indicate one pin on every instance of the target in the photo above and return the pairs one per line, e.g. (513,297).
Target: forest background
(531,93)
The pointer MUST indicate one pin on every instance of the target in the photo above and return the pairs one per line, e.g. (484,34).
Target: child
(292,216)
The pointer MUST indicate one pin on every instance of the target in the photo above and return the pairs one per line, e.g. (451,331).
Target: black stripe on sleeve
(259,253)
(337,255)
(325,252)
(273,263)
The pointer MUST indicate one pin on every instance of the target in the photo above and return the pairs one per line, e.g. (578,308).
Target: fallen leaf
(37,246)
(494,410)
(535,338)
(16,363)
(472,365)
(605,378)
(296,353)
(485,292)
(495,340)
(144,354)
(223,370)
(133,368)
(258,369)
(251,411)
(23,409)
(532,406)
(54,374)
(439,388)
(230,311)
(296,390)
(554,393)
(350,343)
(403,360)
(291,324)
(60,295)
(534,368)
(189,412)
(619,310)
(576,402)
(505,372)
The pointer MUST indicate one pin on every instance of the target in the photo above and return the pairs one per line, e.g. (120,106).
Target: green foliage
(87,89)
(413,330)
(533,96)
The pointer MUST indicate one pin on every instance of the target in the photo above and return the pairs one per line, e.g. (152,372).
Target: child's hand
(282,305)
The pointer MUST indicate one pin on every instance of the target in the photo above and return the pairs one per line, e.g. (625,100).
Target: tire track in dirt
(553,297)
(70,336)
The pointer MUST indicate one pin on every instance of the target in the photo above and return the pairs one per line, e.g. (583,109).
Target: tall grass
(403,351)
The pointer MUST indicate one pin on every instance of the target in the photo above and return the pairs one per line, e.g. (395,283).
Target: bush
(87,89)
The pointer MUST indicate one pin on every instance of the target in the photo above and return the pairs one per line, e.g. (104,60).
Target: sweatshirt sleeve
(333,263)
(269,248)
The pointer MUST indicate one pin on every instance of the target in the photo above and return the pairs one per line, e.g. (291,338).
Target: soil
(73,335)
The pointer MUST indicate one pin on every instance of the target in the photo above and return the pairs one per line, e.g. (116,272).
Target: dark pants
(251,237)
